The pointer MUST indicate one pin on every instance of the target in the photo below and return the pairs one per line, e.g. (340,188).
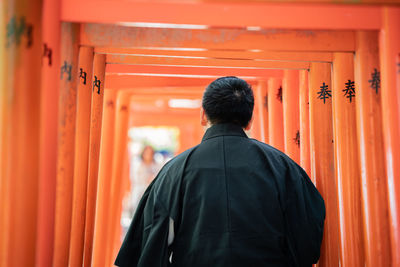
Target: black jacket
(235,202)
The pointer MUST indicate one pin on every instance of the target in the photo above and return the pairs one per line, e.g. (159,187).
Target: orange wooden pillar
(264,93)
(7,55)
(66,141)
(96,253)
(23,49)
(119,154)
(82,137)
(275,113)
(262,121)
(372,165)
(322,160)
(291,116)
(50,82)
(304,121)
(98,81)
(344,92)
(390,69)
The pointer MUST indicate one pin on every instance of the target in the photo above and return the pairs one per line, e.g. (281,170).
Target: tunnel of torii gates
(75,75)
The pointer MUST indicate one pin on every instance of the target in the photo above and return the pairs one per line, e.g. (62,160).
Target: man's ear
(248,127)
(203,117)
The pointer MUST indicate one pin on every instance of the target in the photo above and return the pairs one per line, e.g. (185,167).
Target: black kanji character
(279,94)
(349,90)
(47,52)
(324,93)
(297,138)
(29,35)
(66,68)
(375,80)
(97,84)
(16,29)
(82,74)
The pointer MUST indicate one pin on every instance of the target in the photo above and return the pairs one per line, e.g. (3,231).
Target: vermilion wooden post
(344,92)
(372,165)
(23,49)
(291,116)
(7,54)
(256,127)
(261,92)
(304,121)
(66,141)
(322,160)
(103,197)
(98,81)
(50,83)
(264,91)
(390,69)
(119,154)
(275,113)
(82,136)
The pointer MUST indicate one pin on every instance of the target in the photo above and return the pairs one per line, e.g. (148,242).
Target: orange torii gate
(376,144)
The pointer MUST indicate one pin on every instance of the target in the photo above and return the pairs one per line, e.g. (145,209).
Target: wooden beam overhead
(205,62)
(220,54)
(102,35)
(190,72)
(237,14)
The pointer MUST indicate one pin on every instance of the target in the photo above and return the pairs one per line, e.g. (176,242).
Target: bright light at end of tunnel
(184,103)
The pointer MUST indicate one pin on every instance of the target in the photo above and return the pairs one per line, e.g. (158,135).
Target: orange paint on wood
(50,84)
(220,54)
(348,174)
(23,49)
(103,196)
(322,158)
(390,69)
(291,114)
(82,138)
(230,15)
(119,153)
(304,122)
(98,81)
(205,62)
(371,151)
(191,72)
(262,105)
(218,39)
(66,142)
(275,113)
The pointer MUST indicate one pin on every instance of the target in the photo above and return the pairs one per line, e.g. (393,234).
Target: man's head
(228,100)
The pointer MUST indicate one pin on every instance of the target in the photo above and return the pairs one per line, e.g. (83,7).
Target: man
(230,201)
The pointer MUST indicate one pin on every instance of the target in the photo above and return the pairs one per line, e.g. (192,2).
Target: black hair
(229,100)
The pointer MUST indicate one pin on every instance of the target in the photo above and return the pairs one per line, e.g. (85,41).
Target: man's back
(231,215)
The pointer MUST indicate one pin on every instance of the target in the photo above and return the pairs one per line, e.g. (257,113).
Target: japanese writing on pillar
(279,94)
(110,104)
(17,28)
(47,52)
(375,81)
(324,93)
(398,63)
(349,91)
(66,68)
(296,139)
(82,75)
(96,83)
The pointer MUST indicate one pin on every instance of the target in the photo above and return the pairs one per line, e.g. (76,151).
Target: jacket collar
(224,129)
